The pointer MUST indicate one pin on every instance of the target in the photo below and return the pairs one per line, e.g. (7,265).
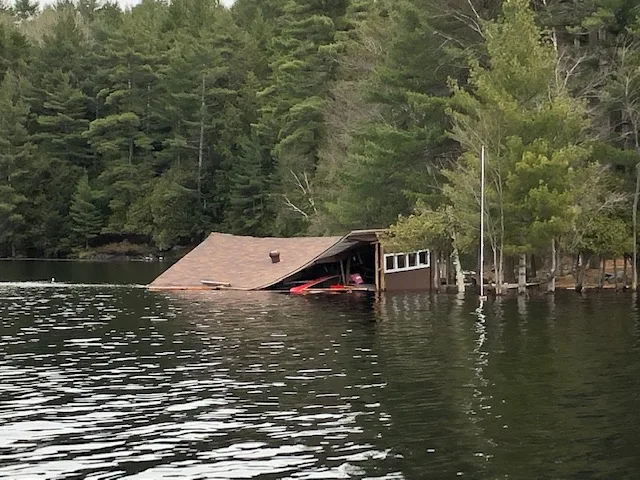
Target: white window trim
(406,268)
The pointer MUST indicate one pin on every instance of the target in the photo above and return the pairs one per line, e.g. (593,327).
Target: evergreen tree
(174,210)
(25,9)
(400,148)
(291,121)
(247,210)
(62,121)
(14,152)
(87,220)
(11,218)
(125,133)
(15,50)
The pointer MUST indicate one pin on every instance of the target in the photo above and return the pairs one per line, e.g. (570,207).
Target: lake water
(109,381)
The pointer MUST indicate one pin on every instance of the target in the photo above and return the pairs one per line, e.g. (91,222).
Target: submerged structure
(224,261)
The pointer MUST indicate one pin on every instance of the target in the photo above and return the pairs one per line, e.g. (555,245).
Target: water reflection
(102,383)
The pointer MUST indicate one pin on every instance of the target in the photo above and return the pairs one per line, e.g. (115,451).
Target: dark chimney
(275,256)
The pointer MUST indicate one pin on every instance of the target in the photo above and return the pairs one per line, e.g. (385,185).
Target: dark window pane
(423,258)
(389,262)
(402,261)
(413,258)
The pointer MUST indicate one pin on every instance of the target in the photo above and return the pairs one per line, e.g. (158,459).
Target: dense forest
(166,121)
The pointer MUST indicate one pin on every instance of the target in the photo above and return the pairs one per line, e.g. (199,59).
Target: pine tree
(247,211)
(11,218)
(398,131)
(207,108)
(25,9)
(62,121)
(15,50)
(87,220)
(174,210)
(14,152)
(303,65)
(128,126)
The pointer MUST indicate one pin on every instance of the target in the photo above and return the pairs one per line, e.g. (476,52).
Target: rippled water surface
(112,381)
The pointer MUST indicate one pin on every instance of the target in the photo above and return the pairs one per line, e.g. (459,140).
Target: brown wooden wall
(419,279)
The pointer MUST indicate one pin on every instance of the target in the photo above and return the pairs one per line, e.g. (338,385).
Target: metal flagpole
(482,297)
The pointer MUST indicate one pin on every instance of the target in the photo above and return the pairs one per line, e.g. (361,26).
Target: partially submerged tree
(622,96)
(531,128)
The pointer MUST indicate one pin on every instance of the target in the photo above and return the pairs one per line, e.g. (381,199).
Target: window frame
(407,268)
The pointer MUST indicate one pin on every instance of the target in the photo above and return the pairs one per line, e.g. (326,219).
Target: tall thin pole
(481,223)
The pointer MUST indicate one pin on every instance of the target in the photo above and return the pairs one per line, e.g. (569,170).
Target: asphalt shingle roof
(243,261)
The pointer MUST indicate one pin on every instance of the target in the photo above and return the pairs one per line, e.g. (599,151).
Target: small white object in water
(53,280)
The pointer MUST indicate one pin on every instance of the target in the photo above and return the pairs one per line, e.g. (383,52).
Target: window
(389,262)
(402,262)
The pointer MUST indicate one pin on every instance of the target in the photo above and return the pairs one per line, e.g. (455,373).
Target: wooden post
(383,276)
(449,275)
(435,272)
(551,286)
(377,268)
(634,221)
(522,274)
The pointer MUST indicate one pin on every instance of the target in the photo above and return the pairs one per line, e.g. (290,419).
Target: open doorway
(355,265)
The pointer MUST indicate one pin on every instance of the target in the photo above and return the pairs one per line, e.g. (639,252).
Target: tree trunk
(201,142)
(625,279)
(510,269)
(551,286)
(534,267)
(582,265)
(148,113)
(500,272)
(448,271)
(458,268)
(634,261)
(615,272)
(129,86)
(13,250)
(495,270)
(559,265)
(522,274)
(602,262)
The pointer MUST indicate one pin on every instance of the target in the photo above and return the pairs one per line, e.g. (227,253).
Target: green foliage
(246,213)
(292,111)
(173,208)
(401,147)
(424,228)
(534,133)
(171,119)
(11,218)
(25,9)
(608,236)
(87,220)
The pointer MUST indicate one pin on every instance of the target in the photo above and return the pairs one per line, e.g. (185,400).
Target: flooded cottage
(355,261)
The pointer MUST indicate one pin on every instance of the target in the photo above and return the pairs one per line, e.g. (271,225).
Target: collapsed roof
(243,263)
